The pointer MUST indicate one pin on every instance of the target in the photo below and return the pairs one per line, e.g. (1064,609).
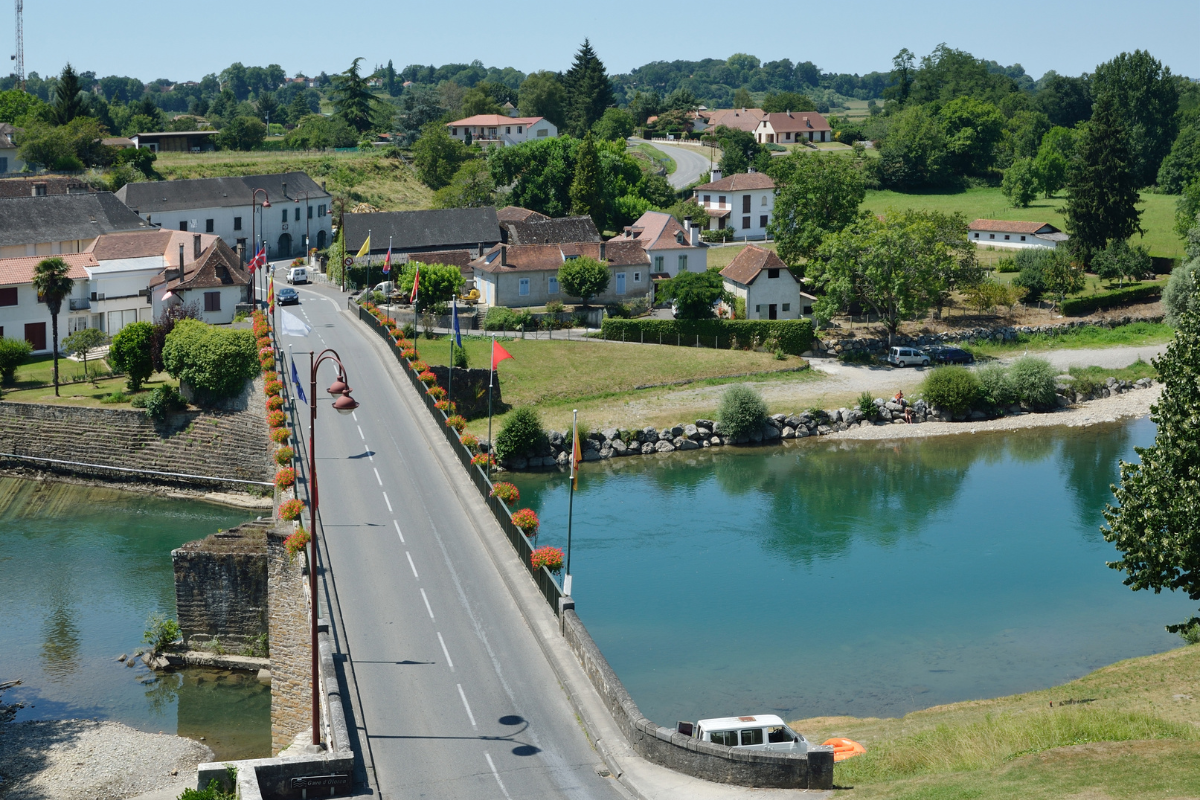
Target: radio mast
(19,57)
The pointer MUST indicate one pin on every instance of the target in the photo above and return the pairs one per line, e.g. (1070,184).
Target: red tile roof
(549,257)
(743,119)
(1011,226)
(15,271)
(518,214)
(752,260)
(656,230)
(798,121)
(741,182)
(217,266)
(493,121)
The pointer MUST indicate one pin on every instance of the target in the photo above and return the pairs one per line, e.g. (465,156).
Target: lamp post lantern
(253,238)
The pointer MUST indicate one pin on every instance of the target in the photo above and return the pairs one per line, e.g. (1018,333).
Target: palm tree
(52,284)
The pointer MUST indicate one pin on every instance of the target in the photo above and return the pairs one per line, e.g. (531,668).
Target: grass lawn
(1158,212)
(386,183)
(81,393)
(1132,335)
(656,156)
(1125,731)
(40,369)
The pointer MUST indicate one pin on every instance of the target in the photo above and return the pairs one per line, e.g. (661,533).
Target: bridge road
(457,699)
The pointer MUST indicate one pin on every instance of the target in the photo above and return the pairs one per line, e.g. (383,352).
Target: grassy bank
(33,383)
(655,156)
(1133,335)
(1127,730)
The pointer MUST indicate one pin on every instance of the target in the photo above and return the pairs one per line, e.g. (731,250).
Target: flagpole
(571,500)
(491,375)
(450,374)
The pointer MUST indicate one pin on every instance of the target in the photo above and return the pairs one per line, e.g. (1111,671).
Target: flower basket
(427,377)
(436,392)
(274,403)
(284,455)
(445,406)
(508,493)
(276,419)
(410,353)
(549,557)
(267,363)
(419,366)
(403,343)
(456,421)
(270,375)
(469,441)
(291,510)
(527,520)
(285,478)
(280,435)
(483,460)
(266,350)
(264,342)
(272,388)
(295,543)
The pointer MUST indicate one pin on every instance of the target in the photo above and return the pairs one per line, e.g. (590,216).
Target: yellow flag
(366,248)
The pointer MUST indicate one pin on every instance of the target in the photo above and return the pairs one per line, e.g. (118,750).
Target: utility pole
(19,56)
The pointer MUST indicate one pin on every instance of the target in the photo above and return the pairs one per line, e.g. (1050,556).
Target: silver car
(907,357)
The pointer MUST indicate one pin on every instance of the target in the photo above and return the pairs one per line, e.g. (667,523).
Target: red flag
(416,283)
(387,262)
(259,260)
(498,354)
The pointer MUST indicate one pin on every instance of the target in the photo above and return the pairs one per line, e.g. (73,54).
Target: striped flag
(416,284)
(387,261)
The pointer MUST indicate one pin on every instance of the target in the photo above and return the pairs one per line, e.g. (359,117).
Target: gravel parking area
(88,760)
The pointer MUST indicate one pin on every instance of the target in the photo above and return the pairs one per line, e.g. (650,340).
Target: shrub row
(794,335)
(1029,381)
(1078,306)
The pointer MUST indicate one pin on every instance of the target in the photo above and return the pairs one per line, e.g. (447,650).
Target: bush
(115,397)
(794,336)
(1180,289)
(1032,380)
(160,631)
(130,353)
(211,792)
(13,353)
(722,235)
(164,400)
(1078,306)
(499,318)
(995,386)
(954,388)
(554,307)
(522,432)
(214,361)
(742,411)
(1006,265)
(866,405)
(460,359)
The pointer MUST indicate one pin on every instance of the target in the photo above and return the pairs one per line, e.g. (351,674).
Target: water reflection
(60,637)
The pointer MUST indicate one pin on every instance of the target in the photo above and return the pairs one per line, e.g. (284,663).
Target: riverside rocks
(705,433)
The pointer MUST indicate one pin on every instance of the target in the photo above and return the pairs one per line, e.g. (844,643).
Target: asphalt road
(690,162)
(457,699)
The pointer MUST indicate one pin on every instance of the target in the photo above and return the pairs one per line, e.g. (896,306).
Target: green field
(1158,212)
(1135,334)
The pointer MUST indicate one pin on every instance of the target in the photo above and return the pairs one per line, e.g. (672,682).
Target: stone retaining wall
(290,638)
(221,587)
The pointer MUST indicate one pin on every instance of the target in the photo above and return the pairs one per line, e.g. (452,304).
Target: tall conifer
(588,91)
(586,196)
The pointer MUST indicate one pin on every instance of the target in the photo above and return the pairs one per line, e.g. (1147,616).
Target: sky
(860,36)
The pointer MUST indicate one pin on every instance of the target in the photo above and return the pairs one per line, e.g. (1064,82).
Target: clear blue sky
(184,42)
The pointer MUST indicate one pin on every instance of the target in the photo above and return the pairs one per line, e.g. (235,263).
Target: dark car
(286,295)
(949,355)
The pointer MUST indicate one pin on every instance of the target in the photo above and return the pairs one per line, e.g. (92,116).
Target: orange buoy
(844,748)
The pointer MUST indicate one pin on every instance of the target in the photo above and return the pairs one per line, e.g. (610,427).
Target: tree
(615,125)
(740,152)
(437,156)
(1156,522)
(67,101)
(317,132)
(1053,158)
(1179,295)
(269,108)
(1182,165)
(583,277)
(1062,276)
(644,105)
(439,283)
(297,110)
(913,155)
(1020,182)
(962,271)
(131,353)
(13,353)
(81,342)
(681,99)
(1066,101)
(901,77)
(890,266)
(542,95)
(819,195)
(242,133)
(352,99)
(743,99)
(67,148)
(779,102)
(476,101)
(588,91)
(389,80)
(215,361)
(233,78)
(694,293)
(17,106)
(972,130)
(1146,97)
(1120,261)
(471,187)
(586,196)
(1186,208)
(53,285)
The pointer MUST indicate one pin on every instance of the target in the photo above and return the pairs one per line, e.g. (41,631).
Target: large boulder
(664,447)
(687,444)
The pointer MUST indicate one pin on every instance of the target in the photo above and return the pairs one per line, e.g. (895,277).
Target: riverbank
(80,759)
(240,500)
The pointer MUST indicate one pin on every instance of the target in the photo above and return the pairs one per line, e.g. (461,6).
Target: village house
(744,202)
(1014,235)
(417,235)
(790,127)
(24,316)
(51,225)
(176,141)
(519,276)
(671,247)
(9,160)
(742,119)
(769,289)
(214,282)
(499,129)
(549,231)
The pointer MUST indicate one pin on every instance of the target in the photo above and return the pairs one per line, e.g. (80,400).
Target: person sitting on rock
(899,398)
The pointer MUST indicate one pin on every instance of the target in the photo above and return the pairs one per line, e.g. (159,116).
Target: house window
(523,289)
(762,221)
(637,277)
(1022,238)
(212,301)
(284,219)
(507,129)
(764,200)
(746,199)
(543,132)
(721,200)
(208,226)
(991,236)
(454,131)
(3,164)
(520,129)
(310,210)
(773,272)
(296,218)
(492,132)
(787,306)
(683,263)
(183,225)
(745,223)
(758,309)
(708,199)
(237,223)
(1006,237)
(8,296)
(552,285)
(321,210)
(977,236)
(658,263)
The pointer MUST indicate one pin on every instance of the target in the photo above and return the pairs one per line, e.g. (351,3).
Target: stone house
(215,281)
(520,276)
(770,290)
(744,202)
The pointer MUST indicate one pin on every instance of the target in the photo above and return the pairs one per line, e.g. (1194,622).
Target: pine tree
(67,103)
(1156,524)
(588,91)
(297,109)
(1101,185)
(389,79)
(586,197)
(352,98)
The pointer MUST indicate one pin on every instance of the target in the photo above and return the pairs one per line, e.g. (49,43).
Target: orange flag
(498,354)
(576,459)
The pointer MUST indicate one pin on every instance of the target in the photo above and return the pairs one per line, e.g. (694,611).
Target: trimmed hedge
(1078,306)
(795,335)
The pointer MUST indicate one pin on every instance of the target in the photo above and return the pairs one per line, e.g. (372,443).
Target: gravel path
(88,760)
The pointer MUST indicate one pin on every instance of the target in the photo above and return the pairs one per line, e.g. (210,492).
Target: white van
(297,275)
(907,357)
(760,732)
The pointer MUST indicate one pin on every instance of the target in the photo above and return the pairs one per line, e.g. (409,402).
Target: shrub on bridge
(793,335)
(214,361)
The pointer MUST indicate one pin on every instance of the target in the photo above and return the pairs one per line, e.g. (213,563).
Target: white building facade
(23,316)
(1014,235)
(744,202)
(497,129)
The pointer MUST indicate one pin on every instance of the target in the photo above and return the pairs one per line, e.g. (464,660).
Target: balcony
(79,303)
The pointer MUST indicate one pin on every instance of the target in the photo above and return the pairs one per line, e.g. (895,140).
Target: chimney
(322,186)
(196,246)
(716,174)
(241,253)
(504,255)
(181,258)
(693,235)
(602,248)
(285,188)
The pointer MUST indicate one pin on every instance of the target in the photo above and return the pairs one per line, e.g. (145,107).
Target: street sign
(322,785)
(349,261)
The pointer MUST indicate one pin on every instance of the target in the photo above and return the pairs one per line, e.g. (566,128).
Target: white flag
(291,325)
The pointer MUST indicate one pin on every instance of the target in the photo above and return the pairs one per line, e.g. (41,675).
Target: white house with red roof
(769,289)
(1014,235)
(672,247)
(744,202)
(24,316)
(789,127)
(498,129)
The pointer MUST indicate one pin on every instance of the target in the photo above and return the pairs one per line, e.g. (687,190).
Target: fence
(516,537)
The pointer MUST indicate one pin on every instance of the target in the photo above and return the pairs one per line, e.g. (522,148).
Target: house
(499,129)
(9,160)
(769,289)
(742,119)
(24,316)
(744,202)
(52,225)
(215,283)
(518,276)
(550,231)
(293,212)
(790,127)
(1014,235)
(517,214)
(412,232)
(671,247)
(176,141)
(42,185)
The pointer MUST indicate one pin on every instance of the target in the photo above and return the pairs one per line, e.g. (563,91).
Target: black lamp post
(253,238)
(343,404)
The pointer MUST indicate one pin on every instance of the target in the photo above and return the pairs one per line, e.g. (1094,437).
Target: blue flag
(296,380)
(457,332)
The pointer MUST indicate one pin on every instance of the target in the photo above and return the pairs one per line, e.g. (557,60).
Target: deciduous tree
(471,187)
(1020,182)
(81,342)
(819,195)
(583,277)
(242,133)
(437,156)
(1146,97)
(542,95)
(695,293)
(1121,261)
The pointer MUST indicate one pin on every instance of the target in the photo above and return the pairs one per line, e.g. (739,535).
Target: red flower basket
(410,353)
(436,392)
(469,441)
(285,478)
(508,493)
(291,510)
(276,419)
(270,375)
(549,557)
(484,460)
(267,363)
(527,520)
(272,388)
(274,403)
(284,455)
(264,342)
(280,435)
(296,543)
(456,421)
(446,406)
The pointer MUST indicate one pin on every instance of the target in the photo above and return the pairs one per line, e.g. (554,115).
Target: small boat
(844,748)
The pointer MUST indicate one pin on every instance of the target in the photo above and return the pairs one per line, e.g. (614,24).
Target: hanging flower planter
(456,421)
(427,377)
(295,543)
(280,435)
(272,388)
(285,478)
(270,375)
(549,557)
(276,419)
(527,520)
(267,363)
(264,342)
(445,406)
(274,403)
(509,494)
(469,441)
(436,392)
(419,366)
(284,455)
(291,510)
(409,352)
(484,460)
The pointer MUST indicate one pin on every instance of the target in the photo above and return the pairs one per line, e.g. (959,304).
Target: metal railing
(545,580)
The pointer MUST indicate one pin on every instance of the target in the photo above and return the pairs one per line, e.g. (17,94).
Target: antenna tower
(19,57)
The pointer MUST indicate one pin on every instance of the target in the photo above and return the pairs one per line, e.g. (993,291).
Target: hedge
(1078,306)
(795,335)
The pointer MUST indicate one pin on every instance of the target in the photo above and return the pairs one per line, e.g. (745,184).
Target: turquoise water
(80,571)
(860,578)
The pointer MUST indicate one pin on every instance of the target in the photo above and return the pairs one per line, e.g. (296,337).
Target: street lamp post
(253,238)
(307,211)
(344,404)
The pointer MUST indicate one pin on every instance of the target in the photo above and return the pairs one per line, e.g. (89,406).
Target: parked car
(297,275)
(949,355)
(907,357)
(286,296)
(761,732)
